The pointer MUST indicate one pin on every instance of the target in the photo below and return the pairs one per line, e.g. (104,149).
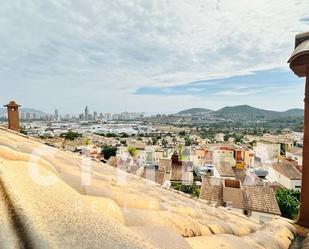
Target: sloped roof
(297,151)
(51,198)
(212,190)
(182,172)
(225,169)
(260,199)
(287,170)
(154,174)
(255,198)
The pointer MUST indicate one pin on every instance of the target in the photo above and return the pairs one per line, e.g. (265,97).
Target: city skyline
(162,56)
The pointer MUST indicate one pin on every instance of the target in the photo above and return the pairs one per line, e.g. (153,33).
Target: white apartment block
(268,152)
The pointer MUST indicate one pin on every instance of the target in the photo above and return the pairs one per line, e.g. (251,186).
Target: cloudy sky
(150,55)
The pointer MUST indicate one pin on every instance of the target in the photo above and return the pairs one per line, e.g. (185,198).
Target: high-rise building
(56,114)
(22,116)
(95,115)
(86,113)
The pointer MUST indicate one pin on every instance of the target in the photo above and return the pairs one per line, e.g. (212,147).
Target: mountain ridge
(194,111)
(245,111)
(3,111)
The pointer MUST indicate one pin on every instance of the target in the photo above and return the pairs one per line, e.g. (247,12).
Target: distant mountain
(249,112)
(194,111)
(244,112)
(296,112)
(3,111)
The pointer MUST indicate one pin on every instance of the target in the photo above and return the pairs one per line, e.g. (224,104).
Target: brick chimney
(13,116)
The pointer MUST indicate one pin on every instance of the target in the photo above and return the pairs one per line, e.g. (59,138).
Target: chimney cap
(12,103)
(299,60)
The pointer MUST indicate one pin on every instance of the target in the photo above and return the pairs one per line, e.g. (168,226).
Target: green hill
(194,111)
(244,112)
(249,112)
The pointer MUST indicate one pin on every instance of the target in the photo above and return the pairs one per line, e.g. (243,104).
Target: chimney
(175,159)
(13,115)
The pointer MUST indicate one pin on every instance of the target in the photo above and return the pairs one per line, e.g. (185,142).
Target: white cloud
(116,46)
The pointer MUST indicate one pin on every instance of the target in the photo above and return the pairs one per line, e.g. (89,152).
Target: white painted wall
(268,152)
(274,175)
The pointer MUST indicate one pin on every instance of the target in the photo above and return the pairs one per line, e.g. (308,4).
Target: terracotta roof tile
(260,199)
(287,170)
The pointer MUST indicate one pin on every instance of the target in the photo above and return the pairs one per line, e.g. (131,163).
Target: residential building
(224,170)
(181,171)
(285,174)
(256,201)
(267,152)
(223,154)
(296,154)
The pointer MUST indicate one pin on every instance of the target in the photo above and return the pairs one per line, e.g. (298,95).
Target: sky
(155,56)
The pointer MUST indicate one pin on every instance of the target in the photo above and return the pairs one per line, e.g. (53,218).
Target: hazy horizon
(148,113)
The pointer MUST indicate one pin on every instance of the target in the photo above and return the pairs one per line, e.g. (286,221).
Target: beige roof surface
(52,199)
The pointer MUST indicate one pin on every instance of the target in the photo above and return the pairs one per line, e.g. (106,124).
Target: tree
(23,131)
(154,140)
(193,189)
(182,133)
(110,134)
(226,137)
(132,151)
(164,142)
(87,141)
(123,134)
(108,151)
(288,202)
(238,137)
(188,141)
(70,135)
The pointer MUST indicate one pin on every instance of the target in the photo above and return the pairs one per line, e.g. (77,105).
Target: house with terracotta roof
(285,174)
(224,170)
(181,171)
(296,154)
(256,201)
(223,154)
